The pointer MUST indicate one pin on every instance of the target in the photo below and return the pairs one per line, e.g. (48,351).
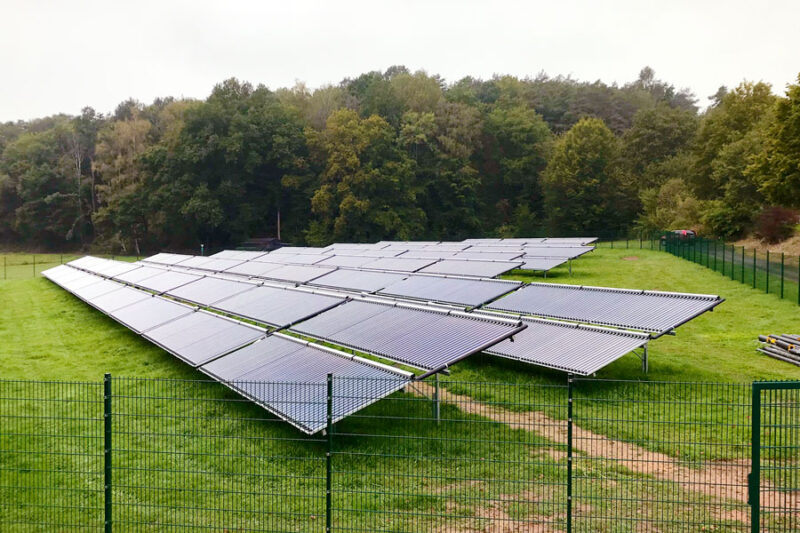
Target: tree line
(402,155)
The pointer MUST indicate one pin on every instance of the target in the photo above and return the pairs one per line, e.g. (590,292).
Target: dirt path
(723,480)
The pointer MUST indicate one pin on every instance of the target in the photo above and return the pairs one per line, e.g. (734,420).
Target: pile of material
(783,347)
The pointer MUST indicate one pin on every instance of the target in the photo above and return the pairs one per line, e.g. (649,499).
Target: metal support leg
(569,262)
(645,366)
(436,402)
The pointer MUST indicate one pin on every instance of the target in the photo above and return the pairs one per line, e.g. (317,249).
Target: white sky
(59,56)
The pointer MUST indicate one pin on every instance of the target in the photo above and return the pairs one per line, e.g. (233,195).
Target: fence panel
(772,273)
(18,266)
(776,457)
(195,455)
(588,455)
(485,457)
(51,456)
(655,456)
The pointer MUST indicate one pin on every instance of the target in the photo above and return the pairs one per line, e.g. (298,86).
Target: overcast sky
(61,56)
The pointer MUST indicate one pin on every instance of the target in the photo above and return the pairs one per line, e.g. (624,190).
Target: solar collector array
(254,268)
(569,252)
(572,348)
(398,264)
(419,337)
(165,281)
(279,307)
(200,337)
(279,370)
(483,269)
(357,280)
(656,312)
(167,258)
(296,273)
(469,292)
(208,290)
(542,264)
(151,313)
(391,335)
(241,255)
(115,300)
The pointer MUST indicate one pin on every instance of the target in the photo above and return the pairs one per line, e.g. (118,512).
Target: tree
(366,192)
(120,147)
(740,111)
(417,92)
(80,142)
(658,133)
(662,91)
(776,169)
(374,94)
(730,136)
(441,146)
(517,143)
(669,206)
(585,188)
(38,195)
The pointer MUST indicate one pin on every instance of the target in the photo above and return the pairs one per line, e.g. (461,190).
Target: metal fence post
(798,280)
(742,264)
(733,262)
(755,267)
(328,456)
(767,290)
(754,479)
(723,258)
(715,256)
(436,403)
(4,267)
(107,452)
(34,265)
(783,264)
(569,453)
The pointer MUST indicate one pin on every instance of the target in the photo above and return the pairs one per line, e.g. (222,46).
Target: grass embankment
(224,456)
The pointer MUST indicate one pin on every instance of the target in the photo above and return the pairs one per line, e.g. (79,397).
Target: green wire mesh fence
(771,273)
(26,266)
(582,455)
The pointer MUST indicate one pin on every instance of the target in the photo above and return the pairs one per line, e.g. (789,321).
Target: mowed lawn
(47,334)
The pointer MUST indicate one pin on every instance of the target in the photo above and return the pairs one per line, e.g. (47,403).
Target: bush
(728,222)
(776,224)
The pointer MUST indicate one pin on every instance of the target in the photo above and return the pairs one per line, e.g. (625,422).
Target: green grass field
(222,447)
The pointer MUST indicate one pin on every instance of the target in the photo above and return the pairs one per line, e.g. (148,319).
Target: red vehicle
(682,234)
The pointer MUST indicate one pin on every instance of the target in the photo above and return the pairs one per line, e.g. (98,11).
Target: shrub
(728,222)
(776,224)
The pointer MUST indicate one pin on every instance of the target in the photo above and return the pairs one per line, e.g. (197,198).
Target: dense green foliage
(400,155)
